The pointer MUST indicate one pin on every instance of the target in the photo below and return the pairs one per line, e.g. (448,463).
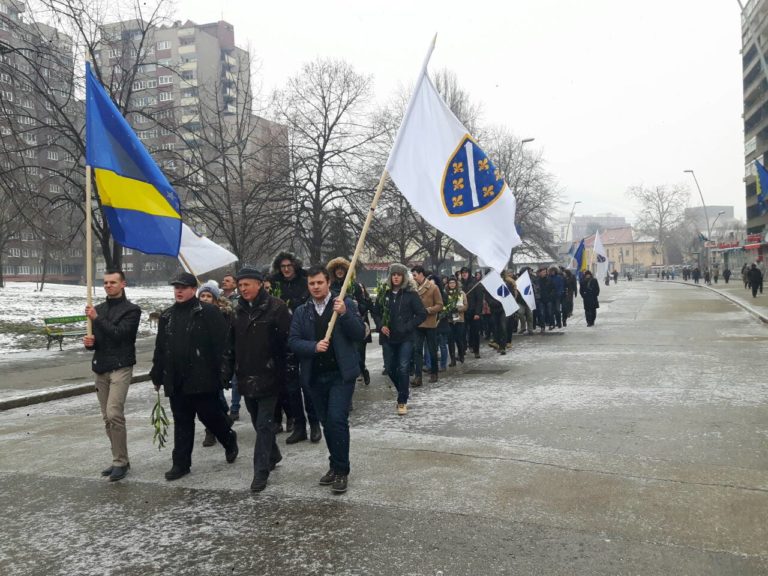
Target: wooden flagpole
(88,247)
(377,195)
(358,249)
(191,271)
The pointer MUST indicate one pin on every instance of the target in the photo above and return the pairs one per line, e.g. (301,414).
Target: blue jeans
(422,335)
(265,450)
(235,406)
(398,363)
(442,346)
(331,397)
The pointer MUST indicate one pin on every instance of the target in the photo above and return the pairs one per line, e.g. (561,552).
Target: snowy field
(22,310)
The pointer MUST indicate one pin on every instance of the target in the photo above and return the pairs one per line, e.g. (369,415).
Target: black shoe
(452,364)
(315,435)
(277,427)
(477,354)
(118,473)
(232,450)
(366,377)
(275,462)
(289,425)
(258,484)
(210,438)
(234,416)
(108,471)
(176,472)
(384,372)
(328,478)
(298,435)
(339,485)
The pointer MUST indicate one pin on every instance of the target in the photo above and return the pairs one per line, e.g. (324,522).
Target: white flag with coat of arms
(449,180)
(497,288)
(601,257)
(525,288)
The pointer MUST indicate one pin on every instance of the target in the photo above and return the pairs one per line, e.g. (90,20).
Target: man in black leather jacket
(115,323)
(188,364)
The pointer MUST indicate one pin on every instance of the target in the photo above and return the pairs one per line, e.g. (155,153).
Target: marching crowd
(263,334)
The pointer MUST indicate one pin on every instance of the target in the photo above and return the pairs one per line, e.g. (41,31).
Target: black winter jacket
(404,312)
(258,343)
(293,292)
(198,368)
(115,330)
(590,290)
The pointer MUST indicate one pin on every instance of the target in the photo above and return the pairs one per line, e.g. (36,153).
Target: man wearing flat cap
(258,343)
(188,361)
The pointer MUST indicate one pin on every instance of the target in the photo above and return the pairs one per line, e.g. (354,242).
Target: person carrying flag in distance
(329,369)
(401,311)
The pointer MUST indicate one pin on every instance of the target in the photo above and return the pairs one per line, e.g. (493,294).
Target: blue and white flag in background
(497,288)
(601,257)
(525,288)
(450,181)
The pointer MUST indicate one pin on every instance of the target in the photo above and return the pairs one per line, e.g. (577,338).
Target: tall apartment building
(754,33)
(36,87)
(585,225)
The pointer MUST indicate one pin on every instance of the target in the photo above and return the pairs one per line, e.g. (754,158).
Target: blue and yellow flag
(140,205)
(580,262)
(762,187)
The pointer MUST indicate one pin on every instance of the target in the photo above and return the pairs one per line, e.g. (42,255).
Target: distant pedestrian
(727,275)
(755,278)
(328,369)
(115,324)
(187,363)
(590,290)
(615,276)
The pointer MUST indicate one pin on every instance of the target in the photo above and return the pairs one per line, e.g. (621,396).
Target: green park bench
(56,329)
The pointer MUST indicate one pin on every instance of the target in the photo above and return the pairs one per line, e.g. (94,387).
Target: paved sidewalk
(634,447)
(736,293)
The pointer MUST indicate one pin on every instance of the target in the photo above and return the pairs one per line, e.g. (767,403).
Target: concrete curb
(57,394)
(756,313)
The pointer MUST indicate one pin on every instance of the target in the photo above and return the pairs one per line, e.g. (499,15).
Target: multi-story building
(36,164)
(626,250)
(583,226)
(754,34)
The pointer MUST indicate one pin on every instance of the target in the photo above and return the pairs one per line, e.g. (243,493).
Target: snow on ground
(22,310)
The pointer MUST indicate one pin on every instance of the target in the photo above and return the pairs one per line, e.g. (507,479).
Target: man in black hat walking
(258,344)
(187,362)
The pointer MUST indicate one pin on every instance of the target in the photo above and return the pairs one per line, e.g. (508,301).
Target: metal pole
(706,215)
(568,226)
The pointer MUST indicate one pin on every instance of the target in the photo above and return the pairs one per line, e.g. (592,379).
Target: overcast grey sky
(615,93)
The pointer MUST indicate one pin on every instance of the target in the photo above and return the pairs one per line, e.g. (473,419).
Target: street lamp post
(568,226)
(706,215)
(716,217)
(523,142)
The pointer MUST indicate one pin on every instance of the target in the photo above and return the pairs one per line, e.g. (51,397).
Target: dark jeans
(298,398)
(332,397)
(265,451)
(500,329)
(473,333)
(206,407)
(539,314)
(591,315)
(555,312)
(235,407)
(398,361)
(419,337)
(457,339)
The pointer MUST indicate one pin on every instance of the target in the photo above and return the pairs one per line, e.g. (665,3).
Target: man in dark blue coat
(328,369)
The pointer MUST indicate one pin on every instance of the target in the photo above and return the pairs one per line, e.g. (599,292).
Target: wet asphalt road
(635,447)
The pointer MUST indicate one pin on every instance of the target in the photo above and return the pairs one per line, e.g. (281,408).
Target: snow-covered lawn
(22,310)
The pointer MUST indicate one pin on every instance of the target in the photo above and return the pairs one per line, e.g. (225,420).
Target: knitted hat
(210,287)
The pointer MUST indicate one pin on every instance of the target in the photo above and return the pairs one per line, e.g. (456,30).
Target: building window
(165,80)
(23,270)
(164,45)
(166,96)
(53,155)
(54,188)
(7,95)
(15,252)
(127,251)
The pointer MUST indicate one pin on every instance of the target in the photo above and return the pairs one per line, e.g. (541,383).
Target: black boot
(315,435)
(176,472)
(366,377)
(210,438)
(232,450)
(298,434)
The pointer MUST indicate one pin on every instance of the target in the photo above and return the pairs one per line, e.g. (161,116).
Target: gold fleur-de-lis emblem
(458,184)
(482,164)
(488,191)
(497,174)
(458,201)
(458,167)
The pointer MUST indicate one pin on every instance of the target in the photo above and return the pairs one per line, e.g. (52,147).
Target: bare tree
(533,187)
(662,209)
(45,64)
(323,108)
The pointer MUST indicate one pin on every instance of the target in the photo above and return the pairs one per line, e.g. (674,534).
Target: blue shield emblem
(600,258)
(503,291)
(527,291)
(470,180)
